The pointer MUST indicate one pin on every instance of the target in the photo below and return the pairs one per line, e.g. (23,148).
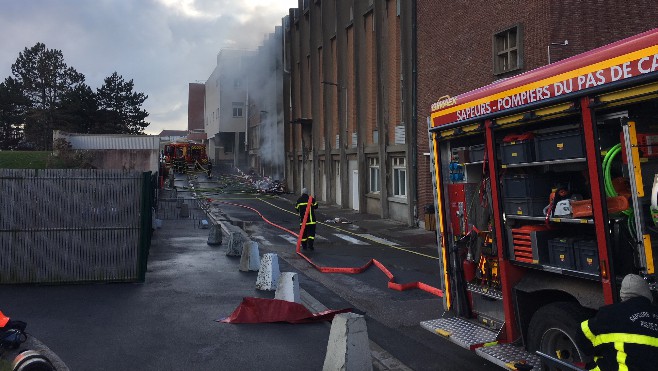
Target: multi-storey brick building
(351,90)
(465,45)
(195,101)
(359,77)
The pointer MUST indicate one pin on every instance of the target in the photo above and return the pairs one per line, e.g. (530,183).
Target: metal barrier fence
(74,225)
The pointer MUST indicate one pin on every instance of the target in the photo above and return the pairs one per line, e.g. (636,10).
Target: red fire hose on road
(391,278)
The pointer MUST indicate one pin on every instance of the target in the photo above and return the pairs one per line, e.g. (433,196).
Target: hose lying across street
(391,279)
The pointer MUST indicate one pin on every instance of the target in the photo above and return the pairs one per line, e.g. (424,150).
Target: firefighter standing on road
(309,232)
(624,336)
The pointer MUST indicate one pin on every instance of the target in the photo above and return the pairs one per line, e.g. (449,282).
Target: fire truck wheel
(553,328)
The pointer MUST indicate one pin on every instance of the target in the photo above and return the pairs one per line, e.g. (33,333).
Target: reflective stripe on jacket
(624,336)
(302,201)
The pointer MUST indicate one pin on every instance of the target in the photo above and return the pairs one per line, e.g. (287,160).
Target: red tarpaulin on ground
(257,310)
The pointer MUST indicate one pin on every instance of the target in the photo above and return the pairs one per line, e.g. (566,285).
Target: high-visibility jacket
(302,201)
(623,336)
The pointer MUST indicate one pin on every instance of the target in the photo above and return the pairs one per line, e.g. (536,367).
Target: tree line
(44,94)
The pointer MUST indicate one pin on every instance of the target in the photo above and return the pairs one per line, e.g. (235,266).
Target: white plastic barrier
(269,273)
(348,348)
(288,287)
(250,258)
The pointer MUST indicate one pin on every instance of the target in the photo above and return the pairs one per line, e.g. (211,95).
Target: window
(237,83)
(227,140)
(399,177)
(373,164)
(237,109)
(508,50)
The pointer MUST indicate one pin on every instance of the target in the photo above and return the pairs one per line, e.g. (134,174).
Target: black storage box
(560,252)
(517,152)
(528,185)
(477,153)
(526,206)
(559,146)
(586,256)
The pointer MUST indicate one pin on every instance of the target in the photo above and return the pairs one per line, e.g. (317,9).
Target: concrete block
(268,274)
(235,242)
(288,287)
(250,258)
(348,348)
(215,235)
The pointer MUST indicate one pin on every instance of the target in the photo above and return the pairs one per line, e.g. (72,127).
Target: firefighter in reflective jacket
(624,336)
(309,232)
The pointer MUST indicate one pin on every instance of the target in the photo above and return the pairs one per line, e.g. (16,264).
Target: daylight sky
(162,45)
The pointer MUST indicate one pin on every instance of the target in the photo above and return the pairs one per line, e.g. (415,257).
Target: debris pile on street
(338,220)
(262,184)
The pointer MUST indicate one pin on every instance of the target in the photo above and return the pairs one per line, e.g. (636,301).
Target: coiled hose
(610,189)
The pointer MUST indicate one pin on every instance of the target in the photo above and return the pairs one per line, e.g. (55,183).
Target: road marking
(383,241)
(293,240)
(349,239)
(290,238)
(262,240)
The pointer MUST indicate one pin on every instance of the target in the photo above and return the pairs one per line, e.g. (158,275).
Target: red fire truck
(183,155)
(546,188)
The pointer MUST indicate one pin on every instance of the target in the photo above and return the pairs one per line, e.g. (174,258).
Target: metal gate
(74,225)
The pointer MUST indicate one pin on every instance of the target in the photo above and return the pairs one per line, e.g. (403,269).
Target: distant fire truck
(181,156)
(546,194)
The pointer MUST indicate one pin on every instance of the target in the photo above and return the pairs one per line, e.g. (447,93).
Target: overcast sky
(162,45)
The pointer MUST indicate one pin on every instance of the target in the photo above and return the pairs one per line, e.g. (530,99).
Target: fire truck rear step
(506,355)
(474,337)
(460,331)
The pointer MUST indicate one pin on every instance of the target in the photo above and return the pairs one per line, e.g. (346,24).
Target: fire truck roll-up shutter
(625,96)
(471,129)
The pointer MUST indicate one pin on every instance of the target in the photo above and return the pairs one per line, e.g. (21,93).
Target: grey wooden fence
(74,225)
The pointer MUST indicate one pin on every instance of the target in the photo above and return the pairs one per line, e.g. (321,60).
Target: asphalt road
(393,317)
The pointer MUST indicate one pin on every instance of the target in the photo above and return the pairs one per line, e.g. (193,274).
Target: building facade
(462,48)
(349,134)
(226,109)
